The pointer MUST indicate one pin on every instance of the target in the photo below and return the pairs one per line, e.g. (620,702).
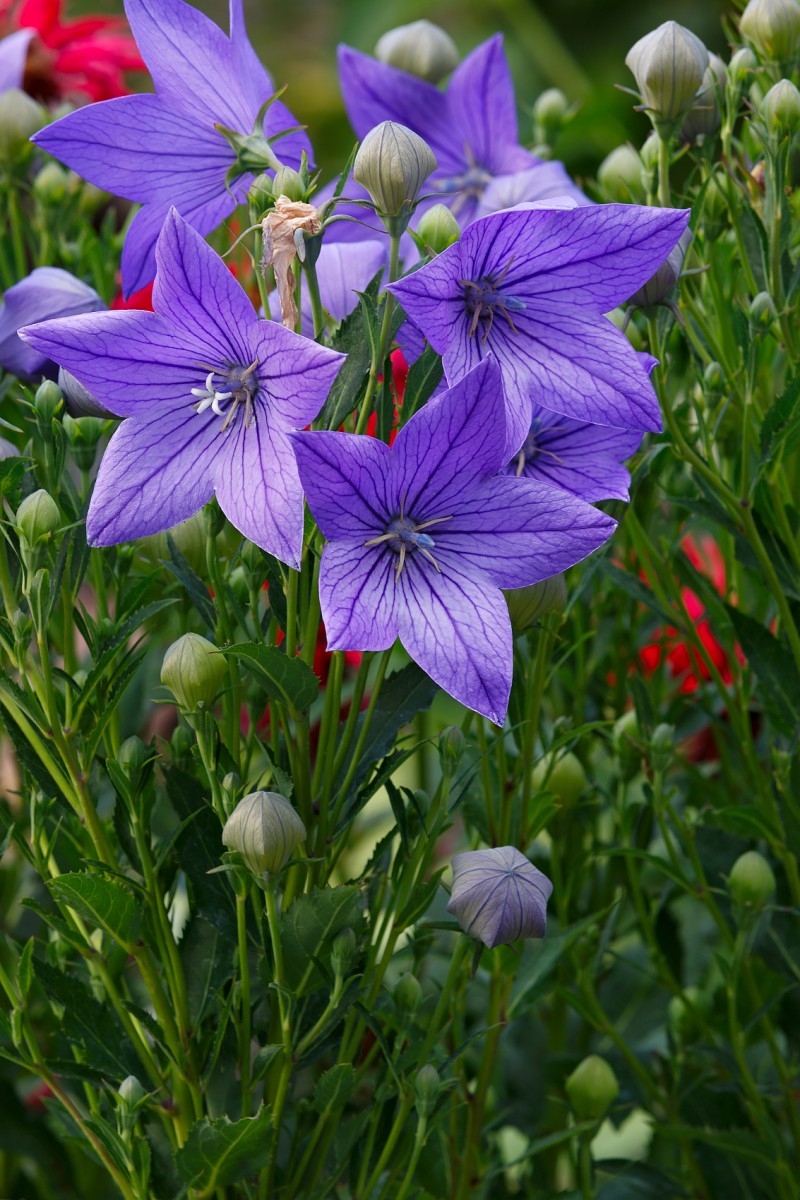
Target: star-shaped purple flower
(583,459)
(422,537)
(164,150)
(499,896)
(46,293)
(530,286)
(13,53)
(471,127)
(210,393)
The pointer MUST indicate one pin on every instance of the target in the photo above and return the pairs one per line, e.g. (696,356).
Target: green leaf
(780,431)
(334,1088)
(310,925)
(221,1152)
(424,376)
(286,679)
(192,584)
(198,848)
(774,668)
(541,959)
(25,970)
(106,904)
(419,901)
(89,1024)
(207,958)
(12,472)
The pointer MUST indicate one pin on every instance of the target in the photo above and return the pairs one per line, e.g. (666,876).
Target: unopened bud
(131,1092)
(421,49)
(133,754)
(47,399)
(743,64)
(193,670)
(566,780)
(343,949)
(528,605)
(659,286)
(762,310)
(714,378)
(189,539)
(649,152)
(426,1089)
(549,113)
(392,164)
(79,400)
(265,830)
(38,517)
(620,175)
(592,1088)
(704,118)
(686,1014)
(780,108)
(51,184)
(662,746)
(289,183)
(407,993)
(20,118)
(751,882)
(773,27)
(668,66)
(625,738)
(438,228)
(452,744)
(83,436)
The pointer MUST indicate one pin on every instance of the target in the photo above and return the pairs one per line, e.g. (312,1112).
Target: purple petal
(433,298)
(499,896)
(154,474)
(483,109)
(346,480)
(459,632)
(13,53)
(47,292)
(295,373)
(358,596)
(452,441)
(516,532)
(139,251)
(545,181)
(583,459)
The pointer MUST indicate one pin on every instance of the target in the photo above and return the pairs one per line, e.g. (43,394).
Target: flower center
(405,536)
(483,299)
(532,448)
(239,387)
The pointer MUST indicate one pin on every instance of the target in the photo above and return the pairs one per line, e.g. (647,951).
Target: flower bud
(193,670)
(51,184)
(83,436)
(499,896)
(265,830)
(773,27)
(131,1092)
(625,739)
(407,993)
(704,118)
(592,1088)
(38,517)
(713,378)
(426,1088)
(686,1014)
(189,538)
(438,228)
(79,400)
(762,310)
(780,108)
(289,183)
(421,49)
(528,605)
(751,882)
(620,175)
(743,64)
(549,114)
(566,780)
(47,400)
(659,286)
(452,744)
(392,164)
(662,746)
(20,118)
(649,152)
(132,757)
(343,949)
(668,66)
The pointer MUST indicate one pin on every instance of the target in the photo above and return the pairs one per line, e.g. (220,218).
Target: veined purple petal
(358,595)
(498,895)
(139,250)
(347,480)
(295,373)
(47,292)
(435,302)
(483,109)
(13,52)
(459,632)
(580,458)
(545,181)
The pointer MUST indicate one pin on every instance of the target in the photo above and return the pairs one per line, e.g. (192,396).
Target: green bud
(780,108)
(773,27)
(649,152)
(47,399)
(452,744)
(131,1092)
(592,1088)
(751,882)
(239,583)
(426,1089)
(662,746)
(686,1014)
(289,183)
(193,670)
(668,66)
(392,164)
(181,743)
(132,757)
(343,951)
(421,49)
(407,993)
(528,605)
(549,113)
(20,118)
(620,175)
(566,780)
(714,378)
(83,436)
(189,538)
(51,184)
(659,286)
(438,228)
(266,830)
(704,118)
(743,64)
(762,310)
(625,739)
(38,517)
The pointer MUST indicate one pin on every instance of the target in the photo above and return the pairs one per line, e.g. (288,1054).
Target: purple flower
(47,292)
(583,459)
(545,181)
(164,150)
(13,53)
(210,394)
(343,269)
(422,537)
(498,896)
(530,286)
(471,127)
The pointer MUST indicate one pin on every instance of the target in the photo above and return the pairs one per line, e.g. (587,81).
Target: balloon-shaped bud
(392,164)
(20,118)
(659,286)
(528,605)
(743,64)
(668,66)
(51,184)
(751,882)
(592,1088)
(620,175)
(438,228)
(131,1092)
(662,746)
(549,114)
(773,27)
(407,993)
(38,517)
(289,183)
(421,49)
(452,744)
(566,780)
(704,117)
(47,399)
(265,830)
(193,670)
(780,109)
(343,950)
(626,739)
(499,896)
(762,310)
(427,1085)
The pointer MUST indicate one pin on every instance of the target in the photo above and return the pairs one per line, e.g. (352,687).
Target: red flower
(141,299)
(72,59)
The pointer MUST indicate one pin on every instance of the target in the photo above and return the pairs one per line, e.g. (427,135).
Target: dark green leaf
(334,1088)
(308,928)
(221,1152)
(207,957)
(192,584)
(89,1024)
(286,679)
(107,905)
(424,376)
(198,848)
(780,431)
(775,670)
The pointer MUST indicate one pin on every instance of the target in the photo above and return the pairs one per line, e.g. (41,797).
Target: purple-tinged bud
(438,228)
(38,517)
(780,109)
(659,286)
(421,49)
(751,882)
(773,27)
(620,175)
(566,780)
(592,1088)
(392,164)
(79,400)
(528,605)
(193,670)
(427,1085)
(668,66)
(704,118)
(265,830)
(499,896)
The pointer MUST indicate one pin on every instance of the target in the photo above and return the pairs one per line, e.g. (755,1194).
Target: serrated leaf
(192,584)
(106,904)
(25,970)
(334,1088)
(89,1024)
(286,679)
(775,670)
(309,926)
(220,1152)
(780,430)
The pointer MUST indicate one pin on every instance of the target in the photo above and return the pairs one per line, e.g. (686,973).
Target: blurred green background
(577,45)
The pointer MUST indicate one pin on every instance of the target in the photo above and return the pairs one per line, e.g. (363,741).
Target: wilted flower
(343,270)
(210,394)
(499,896)
(423,535)
(392,164)
(659,286)
(265,830)
(46,293)
(193,670)
(592,1088)
(773,27)
(283,228)
(580,458)
(668,66)
(421,48)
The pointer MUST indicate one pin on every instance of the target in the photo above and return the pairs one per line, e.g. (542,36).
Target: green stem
(664,197)
(379,356)
(244,978)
